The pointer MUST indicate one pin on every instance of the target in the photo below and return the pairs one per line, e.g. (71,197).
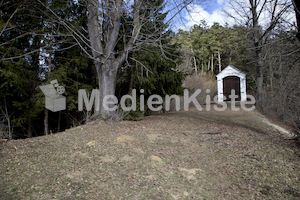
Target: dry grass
(182,155)
(203,82)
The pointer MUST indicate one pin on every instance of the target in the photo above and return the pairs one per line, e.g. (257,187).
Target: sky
(208,10)
(212,5)
(211,11)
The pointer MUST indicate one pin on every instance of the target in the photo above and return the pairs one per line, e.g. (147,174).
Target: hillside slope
(178,155)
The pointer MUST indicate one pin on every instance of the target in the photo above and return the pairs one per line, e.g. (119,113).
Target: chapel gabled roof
(232,70)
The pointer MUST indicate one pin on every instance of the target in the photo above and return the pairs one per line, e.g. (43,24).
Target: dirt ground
(177,155)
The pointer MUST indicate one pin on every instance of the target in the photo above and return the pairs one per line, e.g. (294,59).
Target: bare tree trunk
(46,125)
(7,117)
(59,119)
(259,77)
(230,57)
(9,129)
(208,64)
(271,81)
(195,64)
(297,11)
(104,59)
(280,69)
(106,81)
(258,53)
(109,83)
(212,63)
(131,82)
(219,59)
(46,117)
(29,134)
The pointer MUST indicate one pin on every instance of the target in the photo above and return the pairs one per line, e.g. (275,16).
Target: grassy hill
(178,155)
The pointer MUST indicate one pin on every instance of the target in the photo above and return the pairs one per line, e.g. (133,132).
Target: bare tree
(5,125)
(104,23)
(297,11)
(111,23)
(261,17)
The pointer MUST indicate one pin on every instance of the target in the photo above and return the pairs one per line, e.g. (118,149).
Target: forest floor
(177,155)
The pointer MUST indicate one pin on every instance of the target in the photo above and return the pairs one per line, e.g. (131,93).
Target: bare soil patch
(178,155)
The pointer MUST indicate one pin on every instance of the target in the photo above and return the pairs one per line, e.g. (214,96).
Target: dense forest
(134,48)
